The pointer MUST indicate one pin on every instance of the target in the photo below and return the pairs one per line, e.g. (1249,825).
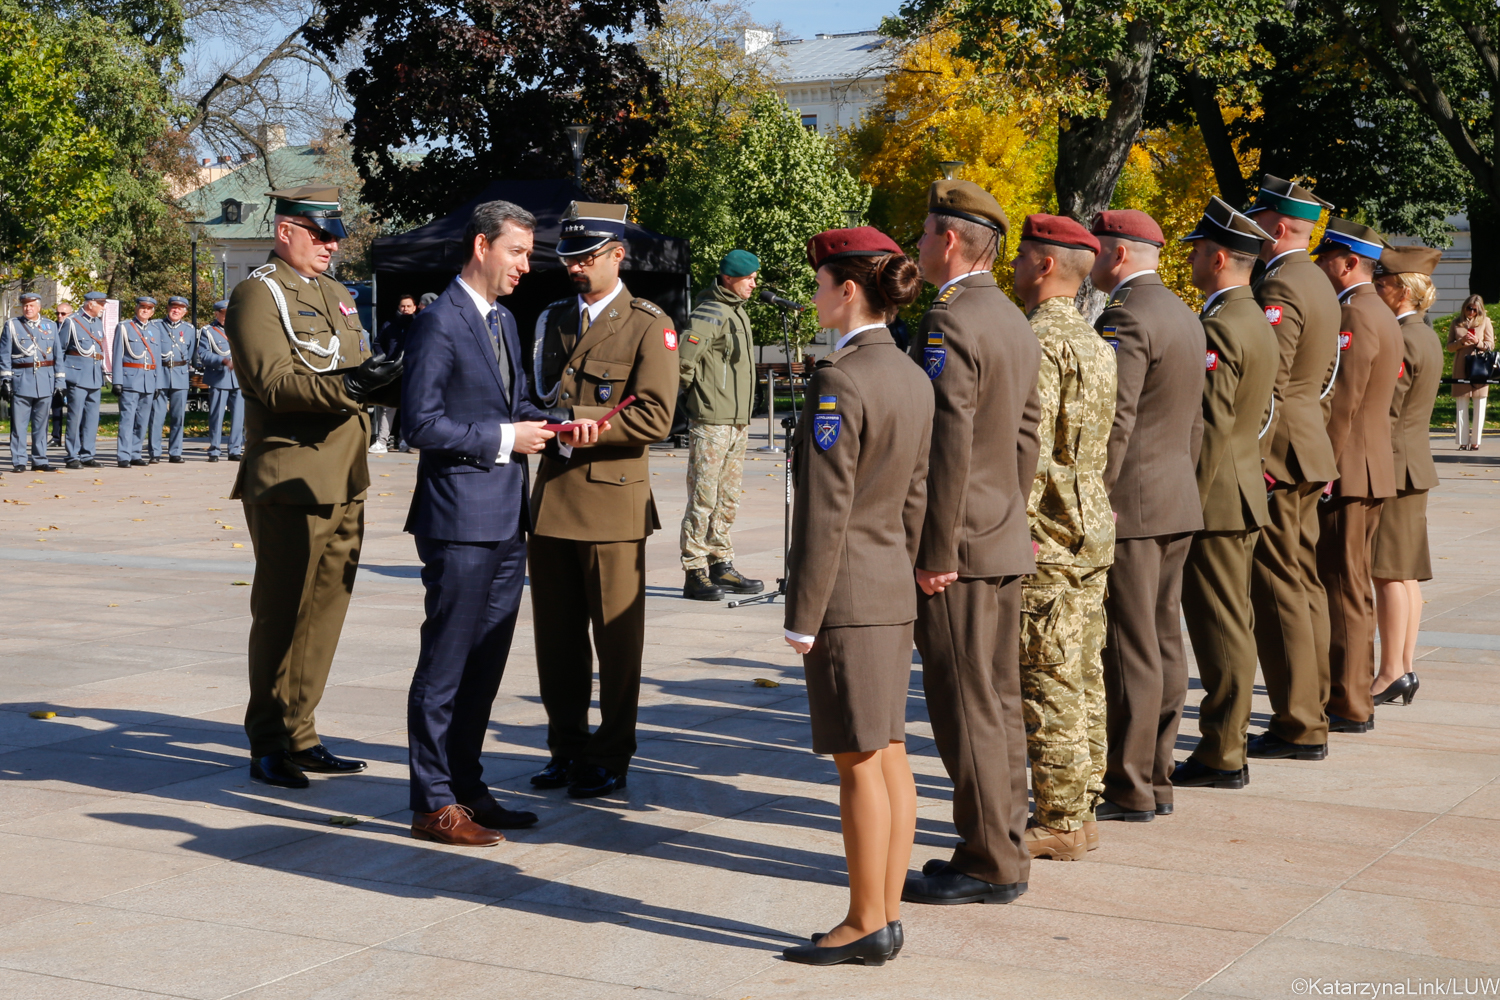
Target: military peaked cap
(1408,260)
(1059,231)
(30,297)
(1229,229)
(177,300)
(1342,234)
(315,202)
(968,201)
(1129,224)
(1288,198)
(94,296)
(587,226)
(221,304)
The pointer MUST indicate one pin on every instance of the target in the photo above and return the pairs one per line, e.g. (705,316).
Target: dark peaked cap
(316,202)
(968,201)
(1229,229)
(588,225)
(1287,197)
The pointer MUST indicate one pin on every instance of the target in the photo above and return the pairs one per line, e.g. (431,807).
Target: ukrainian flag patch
(826,403)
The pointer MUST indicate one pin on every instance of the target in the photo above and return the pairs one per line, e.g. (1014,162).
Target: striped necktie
(498,344)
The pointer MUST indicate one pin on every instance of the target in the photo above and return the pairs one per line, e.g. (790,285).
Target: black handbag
(1480,366)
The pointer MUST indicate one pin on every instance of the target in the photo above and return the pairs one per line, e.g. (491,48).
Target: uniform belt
(173,364)
(33,364)
(134,364)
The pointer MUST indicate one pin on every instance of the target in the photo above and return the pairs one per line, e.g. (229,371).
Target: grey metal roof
(837,57)
(289,166)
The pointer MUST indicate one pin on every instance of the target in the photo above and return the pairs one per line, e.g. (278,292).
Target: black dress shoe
(92,463)
(1164,809)
(1339,724)
(153,460)
(73,463)
(493,816)
(554,775)
(41,468)
(213,458)
(176,459)
(1193,773)
(318,760)
(275,769)
(592,781)
(872,949)
(1269,746)
(949,886)
(1403,687)
(898,939)
(139,461)
(732,580)
(1107,810)
(124,465)
(19,470)
(234,458)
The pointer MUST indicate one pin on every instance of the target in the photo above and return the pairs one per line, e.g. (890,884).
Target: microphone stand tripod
(790,425)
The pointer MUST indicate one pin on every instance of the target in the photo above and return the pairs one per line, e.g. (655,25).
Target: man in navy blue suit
(465,405)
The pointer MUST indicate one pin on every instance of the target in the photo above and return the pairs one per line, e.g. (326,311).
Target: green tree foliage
(54,164)
(762,183)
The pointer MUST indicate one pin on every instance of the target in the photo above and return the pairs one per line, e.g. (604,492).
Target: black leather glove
(373,373)
(7,391)
(60,390)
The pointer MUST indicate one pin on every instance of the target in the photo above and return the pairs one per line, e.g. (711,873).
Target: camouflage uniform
(716,467)
(1062,604)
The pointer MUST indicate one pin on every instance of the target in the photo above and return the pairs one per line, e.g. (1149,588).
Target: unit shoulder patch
(1273,315)
(1345,339)
(826,427)
(1211,361)
(669,337)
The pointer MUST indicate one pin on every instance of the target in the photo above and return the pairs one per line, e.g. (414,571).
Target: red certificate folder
(563,428)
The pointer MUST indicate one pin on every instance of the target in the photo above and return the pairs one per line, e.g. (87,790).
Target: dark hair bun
(899,280)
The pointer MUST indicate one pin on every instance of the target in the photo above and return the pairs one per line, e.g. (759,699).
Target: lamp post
(852,216)
(196,233)
(578,135)
(950,168)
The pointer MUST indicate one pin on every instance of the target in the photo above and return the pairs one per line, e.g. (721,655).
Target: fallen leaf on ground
(41,714)
(766,682)
(112,605)
(238,545)
(240,583)
(344,820)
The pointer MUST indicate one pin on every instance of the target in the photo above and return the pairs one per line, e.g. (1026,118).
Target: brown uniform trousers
(592,512)
(1359,428)
(1153,489)
(1239,372)
(1291,609)
(982,357)
(302,482)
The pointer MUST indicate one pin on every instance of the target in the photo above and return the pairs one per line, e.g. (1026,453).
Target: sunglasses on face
(316,233)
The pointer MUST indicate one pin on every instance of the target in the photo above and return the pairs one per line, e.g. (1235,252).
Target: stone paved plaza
(139,860)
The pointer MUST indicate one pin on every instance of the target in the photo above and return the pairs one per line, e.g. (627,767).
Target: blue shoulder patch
(826,427)
(933,360)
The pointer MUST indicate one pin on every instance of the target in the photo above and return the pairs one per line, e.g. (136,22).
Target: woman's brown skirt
(857,682)
(1399,551)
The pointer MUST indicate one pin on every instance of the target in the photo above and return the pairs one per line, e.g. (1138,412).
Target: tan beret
(966,200)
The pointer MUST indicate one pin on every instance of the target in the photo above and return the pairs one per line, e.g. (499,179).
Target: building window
(231,209)
(810,122)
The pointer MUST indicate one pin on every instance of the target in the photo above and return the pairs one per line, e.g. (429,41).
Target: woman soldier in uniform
(860,464)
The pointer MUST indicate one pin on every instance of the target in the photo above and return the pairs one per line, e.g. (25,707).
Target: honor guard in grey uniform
(134,363)
(212,356)
(29,378)
(175,344)
(64,310)
(81,341)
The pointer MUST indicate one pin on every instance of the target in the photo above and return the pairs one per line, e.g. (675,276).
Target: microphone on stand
(766,295)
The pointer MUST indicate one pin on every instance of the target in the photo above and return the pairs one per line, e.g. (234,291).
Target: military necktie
(498,343)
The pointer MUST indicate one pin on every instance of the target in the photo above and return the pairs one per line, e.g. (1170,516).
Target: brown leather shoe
(1091,833)
(453,824)
(1045,842)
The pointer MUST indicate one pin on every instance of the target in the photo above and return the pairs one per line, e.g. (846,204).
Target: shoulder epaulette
(949,296)
(645,305)
(263,270)
(1118,299)
(559,302)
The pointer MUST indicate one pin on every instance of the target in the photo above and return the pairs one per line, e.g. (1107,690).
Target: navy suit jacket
(452,405)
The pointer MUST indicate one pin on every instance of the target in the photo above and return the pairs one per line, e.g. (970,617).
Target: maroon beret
(864,241)
(1058,230)
(1129,224)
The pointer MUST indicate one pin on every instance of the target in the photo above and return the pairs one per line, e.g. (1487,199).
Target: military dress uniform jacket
(603,493)
(134,358)
(1303,311)
(1159,352)
(1417,384)
(861,472)
(982,358)
(175,343)
(1359,423)
(305,436)
(210,353)
(81,344)
(1239,376)
(717,361)
(29,356)
(1072,521)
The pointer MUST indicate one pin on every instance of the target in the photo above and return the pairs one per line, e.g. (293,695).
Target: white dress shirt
(1208,304)
(1344,295)
(507,431)
(1131,277)
(953,281)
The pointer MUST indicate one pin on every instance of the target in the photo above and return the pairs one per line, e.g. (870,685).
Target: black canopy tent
(426,259)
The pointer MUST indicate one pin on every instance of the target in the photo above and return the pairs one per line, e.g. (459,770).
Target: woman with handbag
(1472,340)
(859,461)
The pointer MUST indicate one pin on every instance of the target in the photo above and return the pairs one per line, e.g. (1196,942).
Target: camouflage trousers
(716,467)
(1062,690)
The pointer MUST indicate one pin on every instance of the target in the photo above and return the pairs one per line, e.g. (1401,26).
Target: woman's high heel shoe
(1403,687)
(872,949)
(898,938)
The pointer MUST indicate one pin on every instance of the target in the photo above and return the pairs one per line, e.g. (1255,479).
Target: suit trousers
(135,417)
(170,405)
(473,597)
(218,401)
(1221,627)
(1145,669)
(306,556)
(83,423)
(1349,525)
(969,636)
(575,585)
(28,420)
(1291,615)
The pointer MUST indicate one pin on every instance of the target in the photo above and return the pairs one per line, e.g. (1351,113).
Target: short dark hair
(404,296)
(1239,258)
(490,218)
(978,243)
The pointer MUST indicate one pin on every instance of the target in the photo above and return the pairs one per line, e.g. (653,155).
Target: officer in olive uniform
(718,379)
(1239,372)
(175,344)
(306,370)
(1290,605)
(982,358)
(1073,529)
(1153,489)
(29,377)
(81,340)
(134,362)
(591,507)
(211,355)
(1359,428)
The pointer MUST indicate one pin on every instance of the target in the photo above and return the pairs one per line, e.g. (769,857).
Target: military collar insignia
(613,313)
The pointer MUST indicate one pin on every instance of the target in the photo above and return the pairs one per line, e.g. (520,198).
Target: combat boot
(1045,842)
(697,587)
(726,576)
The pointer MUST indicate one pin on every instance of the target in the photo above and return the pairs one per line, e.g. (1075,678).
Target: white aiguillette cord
(298,344)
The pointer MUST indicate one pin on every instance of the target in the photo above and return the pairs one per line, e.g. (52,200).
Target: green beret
(738,264)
